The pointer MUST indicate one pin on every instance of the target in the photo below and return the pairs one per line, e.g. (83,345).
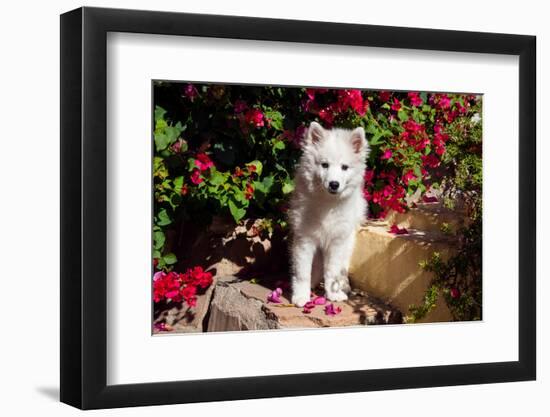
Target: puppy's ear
(315,133)
(358,141)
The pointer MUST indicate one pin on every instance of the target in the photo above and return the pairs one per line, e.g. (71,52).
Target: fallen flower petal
(275,296)
(398,231)
(320,301)
(162,327)
(332,310)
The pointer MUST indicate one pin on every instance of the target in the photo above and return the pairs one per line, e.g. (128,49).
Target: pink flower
(369,175)
(275,296)
(430,161)
(384,96)
(413,127)
(444,101)
(190,91)
(455,293)
(387,154)
(415,99)
(310,92)
(409,175)
(159,275)
(203,162)
(353,99)
(396,105)
(308,307)
(162,327)
(394,229)
(239,106)
(254,117)
(189,292)
(332,310)
(196,177)
(326,115)
(319,301)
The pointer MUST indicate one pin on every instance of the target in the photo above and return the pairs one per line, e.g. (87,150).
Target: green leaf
(276,119)
(158,239)
(161,141)
(278,144)
(403,116)
(375,140)
(424,97)
(259,166)
(236,212)
(159,113)
(267,183)
(178,183)
(216,177)
(162,218)
(170,259)
(288,187)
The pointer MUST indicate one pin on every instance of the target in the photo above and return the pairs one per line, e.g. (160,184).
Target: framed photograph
(258,208)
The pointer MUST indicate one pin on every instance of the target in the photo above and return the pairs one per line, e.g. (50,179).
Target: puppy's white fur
(323,217)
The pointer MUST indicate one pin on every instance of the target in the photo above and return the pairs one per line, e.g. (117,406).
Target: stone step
(430,217)
(386,265)
(242,305)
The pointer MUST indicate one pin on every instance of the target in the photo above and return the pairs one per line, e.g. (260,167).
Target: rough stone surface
(242,305)
(428,217)
(387,266)
(180,318)
(232,310)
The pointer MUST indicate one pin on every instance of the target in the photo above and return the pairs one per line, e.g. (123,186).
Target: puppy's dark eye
(344,167)
(324,165)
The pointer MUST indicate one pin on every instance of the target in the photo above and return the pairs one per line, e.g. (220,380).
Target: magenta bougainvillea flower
(239,106)
(415,99)
(162,327)
(384,96)
(408,176)
(203,162)
(190,91)
(319,301)
(254,117)
(275,296)
(178,287)
(308,307)
(387,154)
(353,99)
(332,310)
(396,105)
(396,230)
(196,177)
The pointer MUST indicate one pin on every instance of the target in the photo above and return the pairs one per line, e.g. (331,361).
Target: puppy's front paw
(337,296)
(300,300)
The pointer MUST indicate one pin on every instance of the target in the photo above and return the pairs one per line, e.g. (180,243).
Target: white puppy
(326,208)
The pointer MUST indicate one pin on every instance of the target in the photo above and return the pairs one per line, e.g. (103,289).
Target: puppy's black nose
(333,185)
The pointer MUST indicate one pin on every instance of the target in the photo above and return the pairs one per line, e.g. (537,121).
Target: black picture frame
(84,207)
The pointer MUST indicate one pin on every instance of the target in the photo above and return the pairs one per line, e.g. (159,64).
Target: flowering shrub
(231,150)
(177,287)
